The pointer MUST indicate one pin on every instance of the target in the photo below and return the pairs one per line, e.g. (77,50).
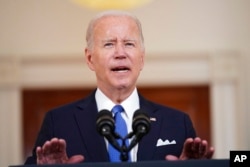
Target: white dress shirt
(130,105)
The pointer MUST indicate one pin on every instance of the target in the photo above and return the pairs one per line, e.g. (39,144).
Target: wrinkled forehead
(111,21)
(114,26)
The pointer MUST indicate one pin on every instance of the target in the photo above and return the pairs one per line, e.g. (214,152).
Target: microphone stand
(124,148)
(141,131)
(124,151)
(105,127)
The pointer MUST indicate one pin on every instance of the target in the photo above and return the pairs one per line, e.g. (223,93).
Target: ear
(89,59)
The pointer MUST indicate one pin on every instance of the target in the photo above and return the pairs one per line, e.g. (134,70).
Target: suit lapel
(86,118)
(147,146)
(95,145)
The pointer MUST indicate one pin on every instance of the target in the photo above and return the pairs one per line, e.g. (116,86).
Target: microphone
(105,126)
(140,126)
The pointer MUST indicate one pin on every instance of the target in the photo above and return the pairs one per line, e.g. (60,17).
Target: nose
(120,51)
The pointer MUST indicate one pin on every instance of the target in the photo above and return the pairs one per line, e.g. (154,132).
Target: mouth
(120,69)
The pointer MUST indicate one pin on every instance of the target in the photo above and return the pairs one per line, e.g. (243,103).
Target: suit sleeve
(189,127)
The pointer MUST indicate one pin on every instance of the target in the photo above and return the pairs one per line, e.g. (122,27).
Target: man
(115,52)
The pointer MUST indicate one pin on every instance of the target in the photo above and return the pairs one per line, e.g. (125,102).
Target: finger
(39,155)
(187,149)
(46,148)
(196,145)
(75,159)
(39,152)
(62,145)
(49,146)
(188,145)
(210,153)
(54,145)
(171,158)
(203,148)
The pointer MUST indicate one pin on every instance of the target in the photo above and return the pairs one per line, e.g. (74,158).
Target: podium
(187,163)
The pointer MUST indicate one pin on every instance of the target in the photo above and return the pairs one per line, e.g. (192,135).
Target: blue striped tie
(121,129)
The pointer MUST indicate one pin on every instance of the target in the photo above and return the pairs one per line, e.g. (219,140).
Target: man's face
(117,54)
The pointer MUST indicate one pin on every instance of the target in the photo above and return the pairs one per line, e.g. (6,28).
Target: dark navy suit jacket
(75,122)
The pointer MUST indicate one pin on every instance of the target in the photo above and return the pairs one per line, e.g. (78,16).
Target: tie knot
(117,108)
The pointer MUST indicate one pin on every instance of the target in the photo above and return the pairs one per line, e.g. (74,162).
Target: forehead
(115,24)
(114,18)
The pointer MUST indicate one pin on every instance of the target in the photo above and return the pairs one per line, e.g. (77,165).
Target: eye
(129,44)
(108,45)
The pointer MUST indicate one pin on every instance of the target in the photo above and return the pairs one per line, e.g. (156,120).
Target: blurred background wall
(187,43)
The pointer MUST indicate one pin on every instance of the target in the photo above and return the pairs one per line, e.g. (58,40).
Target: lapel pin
(152,119)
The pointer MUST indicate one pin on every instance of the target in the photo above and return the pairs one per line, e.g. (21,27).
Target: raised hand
(54,152)
(194,149)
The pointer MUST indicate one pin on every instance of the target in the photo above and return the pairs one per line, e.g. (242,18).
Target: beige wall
(211,38)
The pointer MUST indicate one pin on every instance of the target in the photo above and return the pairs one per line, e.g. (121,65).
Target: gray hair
(89,33)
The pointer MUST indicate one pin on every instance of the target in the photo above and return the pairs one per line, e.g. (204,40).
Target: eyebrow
(108,40)
(113,40)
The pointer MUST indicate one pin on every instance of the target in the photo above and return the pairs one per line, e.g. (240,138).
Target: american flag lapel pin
(152,119)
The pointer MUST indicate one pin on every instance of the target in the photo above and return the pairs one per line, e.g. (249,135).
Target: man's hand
(54,152)
(194,149)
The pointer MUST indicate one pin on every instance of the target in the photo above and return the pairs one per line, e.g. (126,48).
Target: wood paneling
(191,99)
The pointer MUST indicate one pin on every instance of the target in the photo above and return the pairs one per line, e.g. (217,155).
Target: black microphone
(105,125)
(140,126)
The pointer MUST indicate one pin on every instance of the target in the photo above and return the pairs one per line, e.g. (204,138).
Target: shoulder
(78,104)
(161,109)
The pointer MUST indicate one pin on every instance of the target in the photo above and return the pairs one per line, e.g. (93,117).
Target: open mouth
(120,69)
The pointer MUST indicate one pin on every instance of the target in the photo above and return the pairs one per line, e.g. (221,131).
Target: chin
(122,86)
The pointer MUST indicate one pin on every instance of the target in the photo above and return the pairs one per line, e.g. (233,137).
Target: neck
(117,95)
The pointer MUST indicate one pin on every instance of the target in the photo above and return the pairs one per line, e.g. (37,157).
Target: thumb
(75,159)
(171,158)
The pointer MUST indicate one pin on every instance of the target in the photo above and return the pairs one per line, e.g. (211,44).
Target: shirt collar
(130,105)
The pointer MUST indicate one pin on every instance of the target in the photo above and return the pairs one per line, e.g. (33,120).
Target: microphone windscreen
(141,118)
(104,118)
(104,113)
